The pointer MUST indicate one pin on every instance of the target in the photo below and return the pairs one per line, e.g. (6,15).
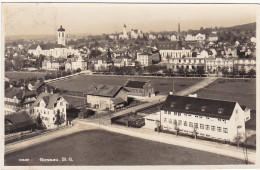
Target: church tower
(61,36)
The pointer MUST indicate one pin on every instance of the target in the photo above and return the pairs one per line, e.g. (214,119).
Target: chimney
(51,91)
(171,93)
(46,90)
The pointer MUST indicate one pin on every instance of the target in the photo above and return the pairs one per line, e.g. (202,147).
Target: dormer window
(188,106)
(173,104)
(203,108)
(220,110)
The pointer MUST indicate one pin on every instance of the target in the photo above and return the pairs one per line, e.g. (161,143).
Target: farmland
(241,90)
(106,148)
(24,75)
(163,85)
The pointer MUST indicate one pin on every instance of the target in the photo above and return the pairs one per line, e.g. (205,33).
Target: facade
(190,63)
(55,50)
(47,106)
(119,62)
(140,89)
(173,50)
(50,65)
(173,38)
(216,64)
(198,37)
(245,64)
(213,37)
(13,97)
(152,37)
(108,97)
(222,120)
(76,63)
(136,34)
(144,58)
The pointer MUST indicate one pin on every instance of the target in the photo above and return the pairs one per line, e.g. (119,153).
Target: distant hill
(243,27)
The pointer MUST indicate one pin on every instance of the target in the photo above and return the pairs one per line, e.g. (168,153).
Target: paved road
(217,148)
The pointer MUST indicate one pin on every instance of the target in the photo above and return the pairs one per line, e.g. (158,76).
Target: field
(163,85)
(20,75)
(242,91)
(105,148)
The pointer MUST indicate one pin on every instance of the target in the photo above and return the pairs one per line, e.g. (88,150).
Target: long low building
(222,120)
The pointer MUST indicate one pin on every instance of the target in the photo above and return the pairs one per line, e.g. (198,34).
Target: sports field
(106,148)
(163,85)
(23,75)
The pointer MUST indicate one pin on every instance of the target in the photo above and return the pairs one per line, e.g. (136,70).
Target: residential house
(48,106)
(76,63)
(140,89)
(145,58)
(108,97)
(216,119)
(50,64)
(213,37)
(118,62)
(245,64)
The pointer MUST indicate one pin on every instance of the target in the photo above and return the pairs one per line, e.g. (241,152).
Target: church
(57,50)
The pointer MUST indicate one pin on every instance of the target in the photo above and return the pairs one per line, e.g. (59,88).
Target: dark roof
(18,120)
(51,46)
(196,104)
(170,46)
(145,53)
(34,46)
(48,98)
(61,29)
(135,84)
(103,90)
(14,91)
(118,100)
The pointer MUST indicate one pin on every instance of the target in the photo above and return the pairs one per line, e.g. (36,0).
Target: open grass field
(20,75)
(106,148)
(163,85)
(242,91)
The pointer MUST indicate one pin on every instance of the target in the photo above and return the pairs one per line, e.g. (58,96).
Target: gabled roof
(118,100)
(48,98)
(103,90)
(196,104)
(135,84)
(14,91)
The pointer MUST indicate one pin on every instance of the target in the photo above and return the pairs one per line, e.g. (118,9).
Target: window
(207,117)
(201,126)
(213,128)
(207,127)
(61,103)
(185,114)
(196,116)
(185,123)
(189,115)
(219,129)
(225,130)
(200,117)
(188,106)
(179,114)
(165,112)
(173,104)
(175,113)
(224,121)
(219,119)
(203,108)
(62,109)
(190,124)
(179,122)
(220,110)
(196,125)
(165,120)
(175,122)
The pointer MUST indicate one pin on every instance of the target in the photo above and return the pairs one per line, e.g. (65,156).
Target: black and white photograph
(117,85)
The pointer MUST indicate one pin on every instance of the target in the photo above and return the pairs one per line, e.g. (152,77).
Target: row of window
(195,125)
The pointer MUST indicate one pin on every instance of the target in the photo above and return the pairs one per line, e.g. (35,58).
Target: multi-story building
(136,34)
(216,64)
(198,37)
(190,63)
(144,58)
(50,65)
(245,64)
(49,107)
(76,63)
(222,120)
(140,89)
(173,50)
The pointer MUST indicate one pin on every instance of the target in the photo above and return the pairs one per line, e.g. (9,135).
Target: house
(152,37)
(76,63)
(144,58)
(151,121)
(50,107)
(13,97)
(50,64)
(173,38)
(19,121)
(216,119)
(109,97)
(213,37)
(136,34)
(140,89)
(119,62)
(245,64)
(215,65)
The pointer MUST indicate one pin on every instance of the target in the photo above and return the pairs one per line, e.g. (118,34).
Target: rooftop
(135,84)
(103,90)
(48,98)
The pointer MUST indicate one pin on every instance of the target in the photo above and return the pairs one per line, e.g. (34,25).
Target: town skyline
(113,17)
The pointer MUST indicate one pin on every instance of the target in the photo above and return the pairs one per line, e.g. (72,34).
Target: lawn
(163,85)
(20,75)
(106,148)
(242,91)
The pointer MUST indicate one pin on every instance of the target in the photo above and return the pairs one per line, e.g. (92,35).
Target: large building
(76,63)
(58,50)
(190,63)
(48,106)
(108,97)
(222,120)
(124,34)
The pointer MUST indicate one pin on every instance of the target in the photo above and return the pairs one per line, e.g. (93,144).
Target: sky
(98,18)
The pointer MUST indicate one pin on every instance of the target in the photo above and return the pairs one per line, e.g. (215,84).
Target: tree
(200,70)
(59,119)
(78,70)
(39,121)
(252,73)
(195,132)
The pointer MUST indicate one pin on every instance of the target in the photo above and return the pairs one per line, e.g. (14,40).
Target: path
(15,146)
(212,147)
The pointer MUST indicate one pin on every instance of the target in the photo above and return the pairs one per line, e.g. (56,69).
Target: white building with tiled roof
(222,120)
(48,106)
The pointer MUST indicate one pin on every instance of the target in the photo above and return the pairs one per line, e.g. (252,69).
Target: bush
(78,70)
(85,113)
